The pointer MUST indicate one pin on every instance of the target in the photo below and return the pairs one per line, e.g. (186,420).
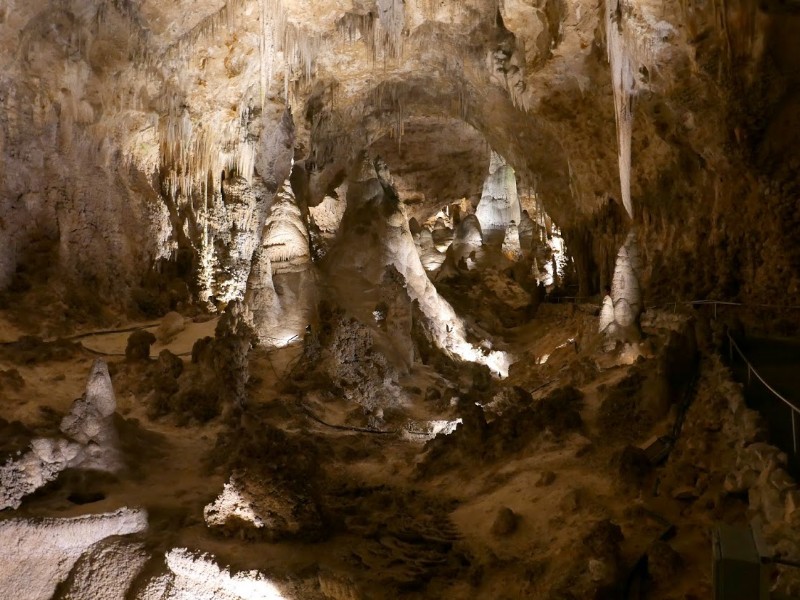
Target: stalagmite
(511,243)
(91,422)
(285,235)
(499,204)
(619,318)
(92,443)
(430,256)
(442,235)
(625,290)
(371,200)
(280,289)
(528,230)
(467,242)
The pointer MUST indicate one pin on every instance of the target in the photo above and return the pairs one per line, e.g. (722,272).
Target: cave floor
(401,524)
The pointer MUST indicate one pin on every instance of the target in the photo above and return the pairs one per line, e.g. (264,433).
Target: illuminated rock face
(228,230)
(107,570)
(196,576)
(35,555)
(430,256)
(285,240)
(499,203)
(93,557)
(375,233)
(442,235)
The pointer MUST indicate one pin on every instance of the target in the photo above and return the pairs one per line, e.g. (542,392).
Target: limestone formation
(298,191)
(619,318)
(35,555)
(430,256)
(528,232)
(373,201)
(442,235)
(90,417)
(106,570)
(233,508)
(91,444)
(512,249)
(169,328)
(138,347)
(22,476)
(499,203)
(327,215)
(285,239)
(467,242)
(233,339)
(195,576)
(90,423)
(280,289)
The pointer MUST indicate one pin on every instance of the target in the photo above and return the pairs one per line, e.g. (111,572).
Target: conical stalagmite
(499,204)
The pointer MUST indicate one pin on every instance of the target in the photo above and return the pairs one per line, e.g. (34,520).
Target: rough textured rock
(430,256)
(90,422)
(36,555)
(142,145)
(22,476)
(92,443)
(233,339)
(105,571)
(89,419)
(232,508)
(373,202)
(467,240)
(195,576)
(511,248)
(255,507)
(505,523)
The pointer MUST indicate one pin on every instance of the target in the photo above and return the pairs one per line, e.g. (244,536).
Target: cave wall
(142,135)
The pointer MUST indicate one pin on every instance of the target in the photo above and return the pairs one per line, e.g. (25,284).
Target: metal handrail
(751,370)
(725,303)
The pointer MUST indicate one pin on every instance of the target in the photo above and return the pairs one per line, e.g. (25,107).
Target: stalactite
(624,88)
(264,58)
(383,35)
(633,43)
